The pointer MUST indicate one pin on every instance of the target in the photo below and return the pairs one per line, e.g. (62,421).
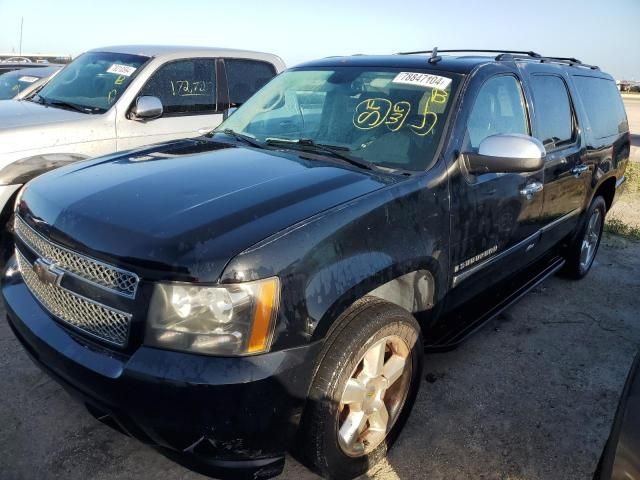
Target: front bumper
(222,416)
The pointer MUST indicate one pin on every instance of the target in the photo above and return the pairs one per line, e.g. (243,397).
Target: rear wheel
(363,390)
(583,250)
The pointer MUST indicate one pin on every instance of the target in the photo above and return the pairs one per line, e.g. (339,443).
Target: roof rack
(505,56)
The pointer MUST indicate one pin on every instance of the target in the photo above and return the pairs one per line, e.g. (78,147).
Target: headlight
(236,319)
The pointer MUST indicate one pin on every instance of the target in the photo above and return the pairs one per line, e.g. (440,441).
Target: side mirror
(507,153)
(228,112)
(147,108)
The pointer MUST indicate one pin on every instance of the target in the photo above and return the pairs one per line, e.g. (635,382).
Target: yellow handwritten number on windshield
(398,115)
(371,113)
(429,120)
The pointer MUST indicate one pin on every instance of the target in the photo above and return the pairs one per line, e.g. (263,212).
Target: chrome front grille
(95,319)
(111,278)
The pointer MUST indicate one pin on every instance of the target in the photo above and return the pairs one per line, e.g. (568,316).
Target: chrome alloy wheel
(374,396)
(590,240)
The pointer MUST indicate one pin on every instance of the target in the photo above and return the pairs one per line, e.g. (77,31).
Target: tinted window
(185,86)
(246,77)
(603,104)
(381,116)
(93,81)
(499,108)
(554,120)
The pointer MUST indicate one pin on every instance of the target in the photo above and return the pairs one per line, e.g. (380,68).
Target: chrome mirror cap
(512,145)
(506,153)
(147,108)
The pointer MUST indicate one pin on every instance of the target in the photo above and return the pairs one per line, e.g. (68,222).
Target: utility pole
(21,24)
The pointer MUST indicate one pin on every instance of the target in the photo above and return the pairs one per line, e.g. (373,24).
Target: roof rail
(467,50)
(506,56)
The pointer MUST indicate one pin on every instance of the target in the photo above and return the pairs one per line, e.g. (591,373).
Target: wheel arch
(25,169)
(413,286)
(607,190)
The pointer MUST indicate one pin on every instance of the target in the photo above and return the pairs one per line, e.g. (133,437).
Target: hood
(22,113)
(182,210)
(28,129)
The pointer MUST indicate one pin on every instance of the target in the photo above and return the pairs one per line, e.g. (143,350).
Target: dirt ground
(531,396)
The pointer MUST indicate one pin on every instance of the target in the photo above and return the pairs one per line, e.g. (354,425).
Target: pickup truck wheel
(583,250)
(363,390)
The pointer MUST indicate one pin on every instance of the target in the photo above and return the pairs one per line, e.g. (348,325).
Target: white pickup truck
(118,98)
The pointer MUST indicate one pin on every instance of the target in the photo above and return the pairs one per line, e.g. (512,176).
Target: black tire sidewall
(598,203)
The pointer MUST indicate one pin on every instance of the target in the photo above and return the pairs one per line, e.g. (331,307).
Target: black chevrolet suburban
(273,285)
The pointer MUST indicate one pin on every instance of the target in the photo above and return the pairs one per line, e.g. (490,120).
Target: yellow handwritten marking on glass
(399,113)
(429,120)
(112,96)
(371,113)
(120,80)
(439,96)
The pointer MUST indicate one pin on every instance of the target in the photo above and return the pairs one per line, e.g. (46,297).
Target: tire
(578,261)
(371,325)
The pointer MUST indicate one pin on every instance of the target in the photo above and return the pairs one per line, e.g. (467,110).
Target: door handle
(579,169)
(530,190)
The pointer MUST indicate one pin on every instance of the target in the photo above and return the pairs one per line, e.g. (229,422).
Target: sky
(600,32)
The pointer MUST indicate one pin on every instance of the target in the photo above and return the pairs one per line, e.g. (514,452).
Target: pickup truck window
(554,117)
(384,117)
(92,83)
(603,104)
(245,77)
(499,108)
(184,86)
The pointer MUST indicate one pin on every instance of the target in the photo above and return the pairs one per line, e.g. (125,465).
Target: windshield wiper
(333,150)
(66,105)
(240,136)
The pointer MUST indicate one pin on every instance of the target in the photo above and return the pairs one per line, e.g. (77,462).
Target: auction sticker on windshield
(426,80)
(118,69)
(28,79)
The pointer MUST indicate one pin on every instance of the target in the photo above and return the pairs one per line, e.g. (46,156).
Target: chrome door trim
(532,239)
(559,220)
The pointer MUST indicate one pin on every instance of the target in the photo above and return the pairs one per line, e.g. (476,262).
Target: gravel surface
(531,396)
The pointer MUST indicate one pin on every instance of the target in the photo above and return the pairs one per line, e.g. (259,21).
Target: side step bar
(533,277)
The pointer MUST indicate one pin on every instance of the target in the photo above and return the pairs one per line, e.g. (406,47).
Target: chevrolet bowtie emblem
(47,272)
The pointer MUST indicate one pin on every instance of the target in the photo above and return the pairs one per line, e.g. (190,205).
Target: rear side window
(498,109)
(603,104)
(246,77)
(554,117)
(184,86)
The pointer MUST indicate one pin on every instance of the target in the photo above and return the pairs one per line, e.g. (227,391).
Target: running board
(523,284)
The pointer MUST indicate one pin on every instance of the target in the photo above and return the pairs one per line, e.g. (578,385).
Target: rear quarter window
(603,106)
(246,77)
(554,117)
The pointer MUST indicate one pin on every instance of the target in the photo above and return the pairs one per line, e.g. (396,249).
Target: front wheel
(365,385)
(583,250)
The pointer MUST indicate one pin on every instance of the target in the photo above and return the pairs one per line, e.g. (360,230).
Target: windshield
(388,118)
(12,83)
(93,82)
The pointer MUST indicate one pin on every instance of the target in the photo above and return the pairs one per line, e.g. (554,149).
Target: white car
(118,98)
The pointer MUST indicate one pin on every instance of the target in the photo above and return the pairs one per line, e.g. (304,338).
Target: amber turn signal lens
(264,316)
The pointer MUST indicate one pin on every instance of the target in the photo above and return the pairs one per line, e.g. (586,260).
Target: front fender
(331,260)
(21,171)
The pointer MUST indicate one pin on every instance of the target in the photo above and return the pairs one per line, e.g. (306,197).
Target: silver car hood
(23,113)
